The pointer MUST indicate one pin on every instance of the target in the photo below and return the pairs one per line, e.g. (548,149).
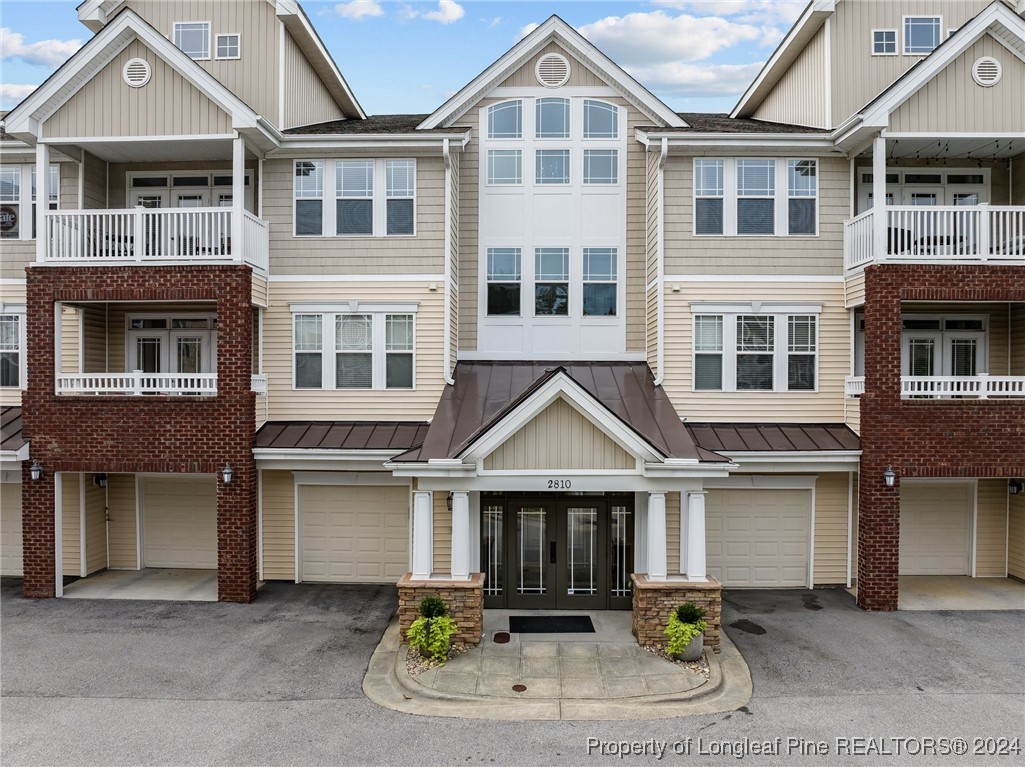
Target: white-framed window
(10,202)
(505,167)
(12,346)
(504,279)
(228,46)
(193,38)
(373,198)
(756,197)
(505,120)
(601,119)
(601,166)
(750,350)
(884,42)
(371,348)
(551,166)
(921,34)
(551,282)
(17,209)
(600,282)
(551,118)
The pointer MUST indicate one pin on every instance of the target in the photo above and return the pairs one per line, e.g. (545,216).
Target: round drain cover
(502,637)
(519,688)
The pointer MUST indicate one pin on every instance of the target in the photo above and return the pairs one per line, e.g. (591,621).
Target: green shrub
(686,622)
(432,607)
(432,636)
(689,612)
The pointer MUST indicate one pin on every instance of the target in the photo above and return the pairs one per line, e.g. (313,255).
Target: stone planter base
(654,602)
(464,599)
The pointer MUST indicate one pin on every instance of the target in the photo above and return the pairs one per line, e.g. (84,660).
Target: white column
(58,533)
(460,536)
(58,340)
(238,195)
(696,537)
(423,534)
(656,536)
(42,198)
(879,195)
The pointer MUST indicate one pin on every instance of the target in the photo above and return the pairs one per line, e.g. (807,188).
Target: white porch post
(423,534)
(238,195)
(696,537)
(58,533)
(879,216)
(657,536)
(460,536)
(42,198)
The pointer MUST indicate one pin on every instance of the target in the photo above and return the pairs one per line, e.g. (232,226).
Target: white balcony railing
(148,235)
(259,383)
(137,383)
(936,234)
(968,387)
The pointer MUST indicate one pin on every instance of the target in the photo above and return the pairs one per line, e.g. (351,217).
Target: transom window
(601,120)
(373,198)
(921,34)
(884,42)
(193,38)
(228,46)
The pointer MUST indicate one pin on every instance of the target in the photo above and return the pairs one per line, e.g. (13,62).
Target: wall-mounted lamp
(36,472)
(448,502)
(1015,486)
(227,473)
(100,480)
(889,477)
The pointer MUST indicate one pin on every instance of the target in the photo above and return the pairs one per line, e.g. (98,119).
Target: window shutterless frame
(329,193)
(228,46)
(884,42)
(17,194)
(195,52)
(12,350)
(912,25)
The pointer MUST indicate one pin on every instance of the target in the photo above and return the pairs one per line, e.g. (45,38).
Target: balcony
(950,387)
(939,234)
(155,235)
(137,383)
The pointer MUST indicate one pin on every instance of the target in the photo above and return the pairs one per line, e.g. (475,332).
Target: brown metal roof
(764,437)
(341,435)
(485,392)
(11,438)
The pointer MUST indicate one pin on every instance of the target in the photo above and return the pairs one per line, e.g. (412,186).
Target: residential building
(554,345)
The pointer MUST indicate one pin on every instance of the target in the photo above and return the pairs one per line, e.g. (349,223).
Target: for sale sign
(8,218)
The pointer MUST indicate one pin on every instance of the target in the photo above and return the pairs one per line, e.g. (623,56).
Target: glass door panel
(492,561)
(188,356)
(964,356)
(621,556)
(148,354)
(533,548)
(582,581)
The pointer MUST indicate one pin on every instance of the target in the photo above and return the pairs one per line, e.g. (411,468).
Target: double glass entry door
(557,554)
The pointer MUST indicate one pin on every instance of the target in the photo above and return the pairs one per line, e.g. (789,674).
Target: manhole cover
(502,637)
(519,688)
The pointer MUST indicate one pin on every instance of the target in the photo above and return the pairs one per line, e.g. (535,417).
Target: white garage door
(758,538)
(354,533)
(935,524)
(10,529)
(179,522)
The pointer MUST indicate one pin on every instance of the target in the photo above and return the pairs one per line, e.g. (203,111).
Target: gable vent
(137,72)
(986,71)
(552,70)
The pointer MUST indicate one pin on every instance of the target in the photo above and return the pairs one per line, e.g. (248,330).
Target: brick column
(878,539)
(237,538)
(37,534)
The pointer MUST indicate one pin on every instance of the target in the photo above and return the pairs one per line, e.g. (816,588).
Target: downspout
(660,258)
(448,262)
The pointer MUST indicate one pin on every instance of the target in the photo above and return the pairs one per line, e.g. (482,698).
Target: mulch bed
(416,664)
(696,667)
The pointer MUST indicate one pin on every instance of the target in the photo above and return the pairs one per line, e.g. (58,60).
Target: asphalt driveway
(279,682)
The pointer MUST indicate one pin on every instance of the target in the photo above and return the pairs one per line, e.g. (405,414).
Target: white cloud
(493,22)
(685,80)
(11,94)
(46,53)
(772,11)
(526,30)
(359,9)
(448,12)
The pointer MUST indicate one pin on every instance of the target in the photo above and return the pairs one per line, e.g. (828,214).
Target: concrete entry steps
(179,585)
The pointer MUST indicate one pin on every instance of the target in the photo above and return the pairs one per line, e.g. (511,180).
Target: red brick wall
(923,438)
(146,433)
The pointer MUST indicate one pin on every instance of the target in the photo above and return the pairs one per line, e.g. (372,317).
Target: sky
(409,57)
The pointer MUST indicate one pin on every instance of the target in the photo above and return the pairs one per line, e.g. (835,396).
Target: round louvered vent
(137,72)
(552,70)
(986,71)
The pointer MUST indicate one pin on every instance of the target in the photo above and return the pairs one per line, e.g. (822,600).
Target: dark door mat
(550,624)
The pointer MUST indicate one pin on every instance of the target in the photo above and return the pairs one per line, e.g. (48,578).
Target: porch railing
(142,235)
(259,383)
(971,387)
(137,383)
(855,386)
(936,234)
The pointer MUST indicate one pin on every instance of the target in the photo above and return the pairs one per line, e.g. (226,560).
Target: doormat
(550,624)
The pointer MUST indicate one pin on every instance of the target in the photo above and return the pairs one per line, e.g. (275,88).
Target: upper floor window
(884,42)
(601,266)
(11,346)
(802,191)
(601,120)
(552,118)
(503,281)
(10,201)
(18,210)
(401,191)
(505,167)
(309,197)
(551,166)
(373,198)
(921,34)
(193,38)
(551,281)
(756,193)
(355,197)
(601,166)
(228,46)
(505,120)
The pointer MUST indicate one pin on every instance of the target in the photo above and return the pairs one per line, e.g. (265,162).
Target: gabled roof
(554,29)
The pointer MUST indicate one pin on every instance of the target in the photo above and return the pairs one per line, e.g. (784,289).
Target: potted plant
(686,632)
(432,632)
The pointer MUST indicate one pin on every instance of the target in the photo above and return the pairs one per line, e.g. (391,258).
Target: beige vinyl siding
(1017,321)
(653,203)
(10,529)
(559,437)
(421,254)
(453,258)
(526,77)
(123,545)
(94,187)
(254,77)
(953,101)
(831,544)
(1017,187)
(855,290)
(857,75)
(95,526)
(307,99)
(469,230)
(278,501)
(818,255)
(71,525)
(852,413)
(824,405)
(1016,536)
(11,293)
(169,105)
(636,231)
(442,533)
(259,291)
(854,530)
(673,502)
(71,332)
(314,404)
(799,98)
(94,338)
(991,528)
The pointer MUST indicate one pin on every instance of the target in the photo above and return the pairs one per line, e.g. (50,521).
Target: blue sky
(403,56)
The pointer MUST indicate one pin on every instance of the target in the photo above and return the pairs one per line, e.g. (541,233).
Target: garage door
(10,529)
(935,524)
(354,534)
(758,538)
(179,522)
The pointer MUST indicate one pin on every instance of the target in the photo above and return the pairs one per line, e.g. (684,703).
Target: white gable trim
(558,30)
(561,386)
(25,120)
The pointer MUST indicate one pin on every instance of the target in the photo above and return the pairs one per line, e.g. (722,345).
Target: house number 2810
(559,484)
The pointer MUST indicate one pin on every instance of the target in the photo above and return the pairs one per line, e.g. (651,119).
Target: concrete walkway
(178,585)
(604,675)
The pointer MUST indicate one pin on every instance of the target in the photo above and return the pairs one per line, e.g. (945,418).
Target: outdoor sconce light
(448,502)
(36,472)
(889,477)
(1015,486)
(100,480)
(227,473)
